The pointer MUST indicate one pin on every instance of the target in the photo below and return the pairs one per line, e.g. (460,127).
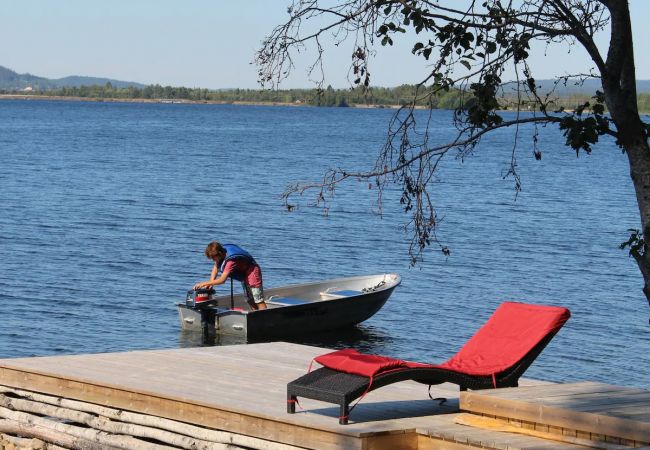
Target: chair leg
(344,412)
(291,403)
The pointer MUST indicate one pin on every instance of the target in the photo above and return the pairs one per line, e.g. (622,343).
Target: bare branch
(484,38)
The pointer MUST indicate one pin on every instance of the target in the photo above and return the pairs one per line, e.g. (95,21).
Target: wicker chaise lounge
(496,356)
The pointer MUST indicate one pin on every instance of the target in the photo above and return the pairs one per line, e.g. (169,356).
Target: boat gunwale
(396,281)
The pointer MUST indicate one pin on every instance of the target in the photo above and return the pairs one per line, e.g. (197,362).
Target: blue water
(106,209)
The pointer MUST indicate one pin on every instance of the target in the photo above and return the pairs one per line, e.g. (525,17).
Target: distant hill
(589,87)
(11,80)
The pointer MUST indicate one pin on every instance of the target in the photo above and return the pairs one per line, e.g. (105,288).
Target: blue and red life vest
(235,252)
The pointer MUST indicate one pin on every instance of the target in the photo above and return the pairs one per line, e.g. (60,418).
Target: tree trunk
(638,155)
(50,435)
(619,86)
(78,411)
(90,439)
(107,425)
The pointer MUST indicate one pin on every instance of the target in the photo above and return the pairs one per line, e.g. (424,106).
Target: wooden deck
(590,410)
(242,389)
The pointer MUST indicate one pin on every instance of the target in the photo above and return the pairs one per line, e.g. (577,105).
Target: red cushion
(351,361)
(512,331)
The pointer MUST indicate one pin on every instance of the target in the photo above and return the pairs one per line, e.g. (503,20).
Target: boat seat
(286,301)
(340,293)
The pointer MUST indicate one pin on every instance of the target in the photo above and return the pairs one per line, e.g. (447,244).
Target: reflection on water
(201,339)
(362,337)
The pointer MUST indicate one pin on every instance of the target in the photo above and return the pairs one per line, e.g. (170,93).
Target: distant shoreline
(209,102)
(177,101)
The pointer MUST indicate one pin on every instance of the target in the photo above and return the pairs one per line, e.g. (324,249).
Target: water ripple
(107,209)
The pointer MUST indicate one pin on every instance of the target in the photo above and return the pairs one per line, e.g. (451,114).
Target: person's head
(215,251)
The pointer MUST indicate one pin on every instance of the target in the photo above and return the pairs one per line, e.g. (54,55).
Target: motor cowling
(198,298)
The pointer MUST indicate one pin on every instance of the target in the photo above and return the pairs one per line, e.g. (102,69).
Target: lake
(107,208)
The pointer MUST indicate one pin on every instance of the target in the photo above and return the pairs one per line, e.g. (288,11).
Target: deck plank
(242,389)
(232,382)
(444,427)
(587,407)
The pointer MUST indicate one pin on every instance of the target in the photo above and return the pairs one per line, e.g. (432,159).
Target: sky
(209,44)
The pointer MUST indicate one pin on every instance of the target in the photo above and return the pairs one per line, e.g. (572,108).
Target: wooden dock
(587,410)
(242,390)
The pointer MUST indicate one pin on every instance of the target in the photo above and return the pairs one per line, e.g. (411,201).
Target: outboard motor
(201,300)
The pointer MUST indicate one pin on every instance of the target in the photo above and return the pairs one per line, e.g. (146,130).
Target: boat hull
(296,319)
(313,317)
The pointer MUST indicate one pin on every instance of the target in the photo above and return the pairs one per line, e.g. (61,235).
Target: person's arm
(220,280)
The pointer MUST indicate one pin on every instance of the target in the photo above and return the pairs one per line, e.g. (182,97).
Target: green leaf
(417,46)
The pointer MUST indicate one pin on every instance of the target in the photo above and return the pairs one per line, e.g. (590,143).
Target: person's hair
(214,250)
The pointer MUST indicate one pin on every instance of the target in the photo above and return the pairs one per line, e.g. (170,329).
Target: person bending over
(235,262)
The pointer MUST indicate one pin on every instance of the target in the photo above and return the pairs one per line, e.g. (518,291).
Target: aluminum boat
(291,310)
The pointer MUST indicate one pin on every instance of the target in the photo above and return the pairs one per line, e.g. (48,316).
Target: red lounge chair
(496,356)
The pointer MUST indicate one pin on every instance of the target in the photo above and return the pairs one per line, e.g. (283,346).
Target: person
(235,262)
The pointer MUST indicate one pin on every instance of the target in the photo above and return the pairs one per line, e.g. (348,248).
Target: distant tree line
(571,101)
(374,96)
(327,97)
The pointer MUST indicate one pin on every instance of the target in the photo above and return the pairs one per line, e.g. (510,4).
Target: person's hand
(199,285)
